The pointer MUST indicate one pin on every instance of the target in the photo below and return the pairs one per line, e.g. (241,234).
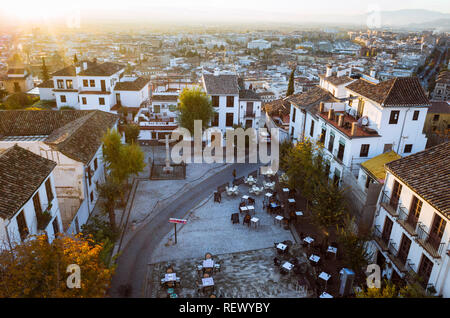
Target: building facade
(411,227)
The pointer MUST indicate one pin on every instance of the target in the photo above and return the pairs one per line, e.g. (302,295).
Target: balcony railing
(405,221)
(391,206)
(249,114)
(429,242)
(393,255)
(378,237)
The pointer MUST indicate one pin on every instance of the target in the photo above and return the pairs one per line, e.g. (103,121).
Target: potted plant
(44,218)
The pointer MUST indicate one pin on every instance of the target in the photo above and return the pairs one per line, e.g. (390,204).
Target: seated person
(247,219)
(276,261)
(251,201)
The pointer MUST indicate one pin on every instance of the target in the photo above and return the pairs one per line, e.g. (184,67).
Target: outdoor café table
(254,221)
(208,263)
(251,208)
(325,276)
(208,281)
(170,277)
(325,295)
(333,250)
(291,200)
(281,246)
(245,197)
(299,213)
(278,218)
(288,266)
(314,258)
(308,240)
(285,190)
(243,208)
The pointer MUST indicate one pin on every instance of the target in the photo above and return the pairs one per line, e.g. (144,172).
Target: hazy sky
(210,10)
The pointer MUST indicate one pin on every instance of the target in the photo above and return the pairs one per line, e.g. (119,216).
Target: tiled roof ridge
(389,91)
(73,127)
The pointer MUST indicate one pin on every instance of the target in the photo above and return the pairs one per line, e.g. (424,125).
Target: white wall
(440,271)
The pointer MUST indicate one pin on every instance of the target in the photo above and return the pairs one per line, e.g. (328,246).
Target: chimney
(77,69)
(331,114)
(84,65)
(216,72)
(329,70)
(321,107)
(354,126)
(341,120)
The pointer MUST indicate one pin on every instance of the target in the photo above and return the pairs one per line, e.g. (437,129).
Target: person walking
(234,174)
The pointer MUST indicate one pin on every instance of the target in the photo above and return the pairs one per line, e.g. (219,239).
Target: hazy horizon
(206,11)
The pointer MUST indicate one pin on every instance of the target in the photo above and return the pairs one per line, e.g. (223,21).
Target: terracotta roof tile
(400,91)
(21,174)
(428,174)
(221,84)
(135,85)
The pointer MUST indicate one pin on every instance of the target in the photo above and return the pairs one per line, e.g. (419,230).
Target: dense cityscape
(352,201)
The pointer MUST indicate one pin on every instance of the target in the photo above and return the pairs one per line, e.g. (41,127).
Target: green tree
(131,133)
(44,71)
(135,158)
(328,207)
(354,245)
(194,105)
(121,160)
(108,193)
(290,89)
(18,101)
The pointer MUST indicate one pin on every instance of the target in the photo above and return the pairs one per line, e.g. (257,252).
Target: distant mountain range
(416,18)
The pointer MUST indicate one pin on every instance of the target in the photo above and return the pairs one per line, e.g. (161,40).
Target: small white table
(208,263)
(285,190)
(333,250)
(268,194)
(251,209)
(245,197)
(325,295)
(243,208)
(291,200)
(254,221)
(288,266)
(208,281)
(308,240)
(278,218)
(170,277)
(324,276)
(299,213)
(281,246)
(314,258)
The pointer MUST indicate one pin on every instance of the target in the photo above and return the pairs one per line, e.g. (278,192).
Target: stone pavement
(209,228)
(243,274)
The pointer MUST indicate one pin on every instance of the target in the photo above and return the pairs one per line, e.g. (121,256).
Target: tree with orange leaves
(37,268)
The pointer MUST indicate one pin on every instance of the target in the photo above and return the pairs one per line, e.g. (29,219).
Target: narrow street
(134,256)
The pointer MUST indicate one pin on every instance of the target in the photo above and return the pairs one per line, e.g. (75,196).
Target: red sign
(172,220)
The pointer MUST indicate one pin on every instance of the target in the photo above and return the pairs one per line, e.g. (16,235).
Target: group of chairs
(170,285)
(206,272)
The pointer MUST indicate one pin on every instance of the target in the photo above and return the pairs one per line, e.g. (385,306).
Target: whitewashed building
(232,103)
(72,139)
(369,120)
(96,86)
(259,44)
(411,226)
(28,204)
